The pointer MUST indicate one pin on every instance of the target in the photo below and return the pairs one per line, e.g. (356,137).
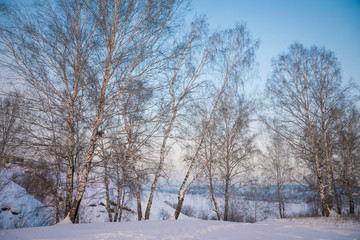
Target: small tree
(277,164)
(237,146)
(347,151)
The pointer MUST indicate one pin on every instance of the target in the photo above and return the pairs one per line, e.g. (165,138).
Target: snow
(181,194)
(307,228)
(18,208)
(65,221)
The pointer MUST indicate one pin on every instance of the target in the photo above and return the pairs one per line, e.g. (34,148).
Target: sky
(332,24)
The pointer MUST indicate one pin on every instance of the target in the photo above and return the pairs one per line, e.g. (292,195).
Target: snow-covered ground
(307,228)
(20,209)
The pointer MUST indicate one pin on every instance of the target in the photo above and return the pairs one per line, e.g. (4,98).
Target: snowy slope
(20,209)
(307,228)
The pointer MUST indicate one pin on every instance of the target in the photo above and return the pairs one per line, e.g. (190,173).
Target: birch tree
(72,47)
(235,55)
(327,94)
(277,164)
(50,48)
(132,35)
(133,117)
(118,183)
(227,151)
(237,146)
(211,155)
(302,91)
(189,59)
(347,150)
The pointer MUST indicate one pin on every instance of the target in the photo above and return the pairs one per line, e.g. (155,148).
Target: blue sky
(333,24)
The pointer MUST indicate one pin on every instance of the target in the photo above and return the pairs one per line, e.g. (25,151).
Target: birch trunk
(107,193)
(57,194)
(210,158)
(160,166)
(216,208)
(121,208)
(85,172)
(137,187)
(279,200)
(348,184)
(350,149)
(337,197)
(328,164)
(179,205)
(226,195)
(324,207)
(282,200)
(227,173)
(70,166)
